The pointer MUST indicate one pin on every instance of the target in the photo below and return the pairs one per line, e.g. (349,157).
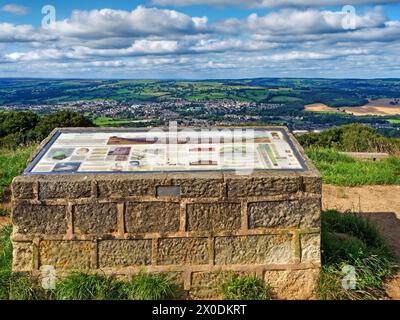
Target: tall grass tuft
(146,286)
(245,287)
(352,240)
(81,286)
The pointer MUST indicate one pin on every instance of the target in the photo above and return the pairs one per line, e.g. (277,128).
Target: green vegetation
(351,138)
(333,92)
(105,121)
(12,163)
(245,287)
(15,286)
(81,286)
(78,286)
(22,128)
(147,286)
(338,169)
(352,240)
(4,212)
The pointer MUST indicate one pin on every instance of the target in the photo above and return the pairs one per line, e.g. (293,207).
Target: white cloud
(151,42)
(15,9)
(97,24)
(293,21)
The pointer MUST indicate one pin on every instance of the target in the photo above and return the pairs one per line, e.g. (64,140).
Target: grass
(78,286)
(81,286)
(4,213)
(12,163)
(352,240)
(342,170)
(147,286)
(247,287)
(105,121)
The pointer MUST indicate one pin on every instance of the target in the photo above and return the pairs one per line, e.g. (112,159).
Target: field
(380,107)
(332,92)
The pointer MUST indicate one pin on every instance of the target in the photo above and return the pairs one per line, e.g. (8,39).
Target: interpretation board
(130,151)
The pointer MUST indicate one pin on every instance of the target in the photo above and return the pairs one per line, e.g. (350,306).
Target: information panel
(158,151)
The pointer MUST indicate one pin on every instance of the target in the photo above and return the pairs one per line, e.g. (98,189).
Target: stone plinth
(195,226)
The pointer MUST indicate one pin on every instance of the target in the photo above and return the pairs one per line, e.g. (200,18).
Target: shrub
(352,138)
(246,287)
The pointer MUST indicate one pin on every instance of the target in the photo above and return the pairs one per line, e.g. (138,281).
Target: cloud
(20,33)
(293,21)
(15,9)
(153,42)
(98,24)
(267,3)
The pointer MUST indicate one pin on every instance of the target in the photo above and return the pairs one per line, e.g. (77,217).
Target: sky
(200,39)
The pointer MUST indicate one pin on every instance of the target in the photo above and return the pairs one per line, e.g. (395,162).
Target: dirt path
(381,204)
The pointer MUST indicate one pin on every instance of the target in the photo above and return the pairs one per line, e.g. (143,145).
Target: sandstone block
(23,189)
(303,213)
(264,186)
(262,249)
(124,253)
(213,217)
(22,256)
(310,248)
(180,251)
(141,217)
(37,219)
(292,284)
(95,218)
(68,189)
(66,255)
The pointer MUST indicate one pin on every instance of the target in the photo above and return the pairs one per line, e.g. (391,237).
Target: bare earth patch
(319,107)
(381,204)
(381,107)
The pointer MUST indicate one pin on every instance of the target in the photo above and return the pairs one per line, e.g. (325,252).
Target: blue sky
(200,39)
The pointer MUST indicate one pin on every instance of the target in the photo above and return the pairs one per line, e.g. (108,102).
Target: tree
(17,122)
(61,119)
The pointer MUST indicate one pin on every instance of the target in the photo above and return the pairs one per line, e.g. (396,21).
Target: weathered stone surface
(180,251)
(310,248)
(263,249)
(65,255)
(303,213)
(120,188)
(265,186)
(213,217)
(206,285)
(22,256)
(64,190)
(312,184)
(37,219)
(23,189)
(124,253)
(200,188)
(141,217)
(95,218)
(292,284)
